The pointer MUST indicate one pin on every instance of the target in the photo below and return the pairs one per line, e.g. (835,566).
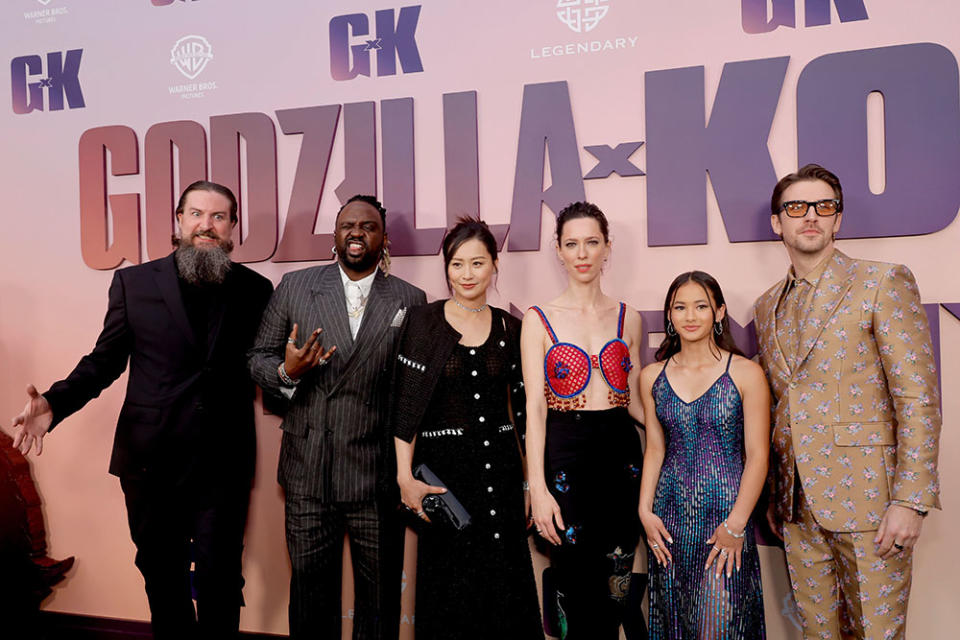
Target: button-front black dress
(476,583)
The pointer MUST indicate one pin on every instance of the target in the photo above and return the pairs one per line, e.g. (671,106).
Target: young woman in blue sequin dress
(708,439)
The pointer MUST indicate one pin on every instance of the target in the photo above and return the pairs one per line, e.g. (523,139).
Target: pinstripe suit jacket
(335,430)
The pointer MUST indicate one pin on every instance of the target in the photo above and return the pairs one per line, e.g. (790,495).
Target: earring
(718,328)
(671,331)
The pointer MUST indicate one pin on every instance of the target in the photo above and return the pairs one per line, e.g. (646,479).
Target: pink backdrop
(259,57)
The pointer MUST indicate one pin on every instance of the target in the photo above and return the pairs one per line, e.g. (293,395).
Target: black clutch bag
(441,507)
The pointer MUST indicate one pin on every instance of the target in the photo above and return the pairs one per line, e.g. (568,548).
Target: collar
(364,283)
(813,277)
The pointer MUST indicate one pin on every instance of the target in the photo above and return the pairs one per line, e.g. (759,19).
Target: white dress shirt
(357,292)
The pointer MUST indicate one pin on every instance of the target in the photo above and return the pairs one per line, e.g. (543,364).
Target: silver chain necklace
(354,310)
(470,309)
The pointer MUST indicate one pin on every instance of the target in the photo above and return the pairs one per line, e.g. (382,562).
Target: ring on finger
(898,546)
(723,554)
(654,546)
(291,341)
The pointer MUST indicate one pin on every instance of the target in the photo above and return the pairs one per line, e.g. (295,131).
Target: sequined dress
(477,583)
(698,485)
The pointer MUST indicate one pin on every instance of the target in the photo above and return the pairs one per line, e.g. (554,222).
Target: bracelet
(284,378)
(526,486)
(735,535)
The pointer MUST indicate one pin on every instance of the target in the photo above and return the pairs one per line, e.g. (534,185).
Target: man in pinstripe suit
(333,462)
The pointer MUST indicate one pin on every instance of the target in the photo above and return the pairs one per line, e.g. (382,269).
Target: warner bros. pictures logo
(582,15)
(190,55)
(45,14)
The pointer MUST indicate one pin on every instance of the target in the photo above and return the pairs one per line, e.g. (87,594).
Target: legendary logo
(396,38)
(62,80)
(582,15)
(190,55)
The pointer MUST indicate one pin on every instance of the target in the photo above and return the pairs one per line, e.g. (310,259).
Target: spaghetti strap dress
(698,485)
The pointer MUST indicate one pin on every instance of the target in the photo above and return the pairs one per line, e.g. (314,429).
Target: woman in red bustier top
(583,447)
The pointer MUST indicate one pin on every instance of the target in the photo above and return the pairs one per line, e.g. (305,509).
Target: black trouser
(164,521)
(315,532)
(593,461)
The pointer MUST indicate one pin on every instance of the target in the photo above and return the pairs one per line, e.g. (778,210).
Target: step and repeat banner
(676,118)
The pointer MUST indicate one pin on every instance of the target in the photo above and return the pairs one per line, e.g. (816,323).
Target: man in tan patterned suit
(846,347)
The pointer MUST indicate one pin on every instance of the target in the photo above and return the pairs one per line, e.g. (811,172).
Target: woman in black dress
(457,377)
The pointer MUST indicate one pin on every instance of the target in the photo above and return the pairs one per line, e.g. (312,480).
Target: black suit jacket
(335,441)
(186,408)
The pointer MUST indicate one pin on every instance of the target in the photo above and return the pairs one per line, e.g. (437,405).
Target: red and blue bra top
(567,369)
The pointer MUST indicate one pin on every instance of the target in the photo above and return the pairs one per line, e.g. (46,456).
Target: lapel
(328,296)
(219,309)
(829,292)
(165,274)
(769,312)
(382,306)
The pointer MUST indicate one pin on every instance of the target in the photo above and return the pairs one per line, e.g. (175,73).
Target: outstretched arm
(94,373)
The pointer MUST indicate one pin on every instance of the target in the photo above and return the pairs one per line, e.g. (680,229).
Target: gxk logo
(395,38)
(582,15)
(755,18)
(190,55)
(62,80)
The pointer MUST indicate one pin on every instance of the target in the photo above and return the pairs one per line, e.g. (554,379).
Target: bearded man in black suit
(185,442)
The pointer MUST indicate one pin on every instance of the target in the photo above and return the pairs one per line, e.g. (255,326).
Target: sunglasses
(799,208)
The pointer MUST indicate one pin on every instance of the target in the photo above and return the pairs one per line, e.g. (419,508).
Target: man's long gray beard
(202,266)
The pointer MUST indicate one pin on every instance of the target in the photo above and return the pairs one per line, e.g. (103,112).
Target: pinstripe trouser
(315,532)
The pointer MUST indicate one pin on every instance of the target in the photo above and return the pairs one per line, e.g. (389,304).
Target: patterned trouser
(842,588)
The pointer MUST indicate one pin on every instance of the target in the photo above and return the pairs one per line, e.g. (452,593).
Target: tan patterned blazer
(859,418)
